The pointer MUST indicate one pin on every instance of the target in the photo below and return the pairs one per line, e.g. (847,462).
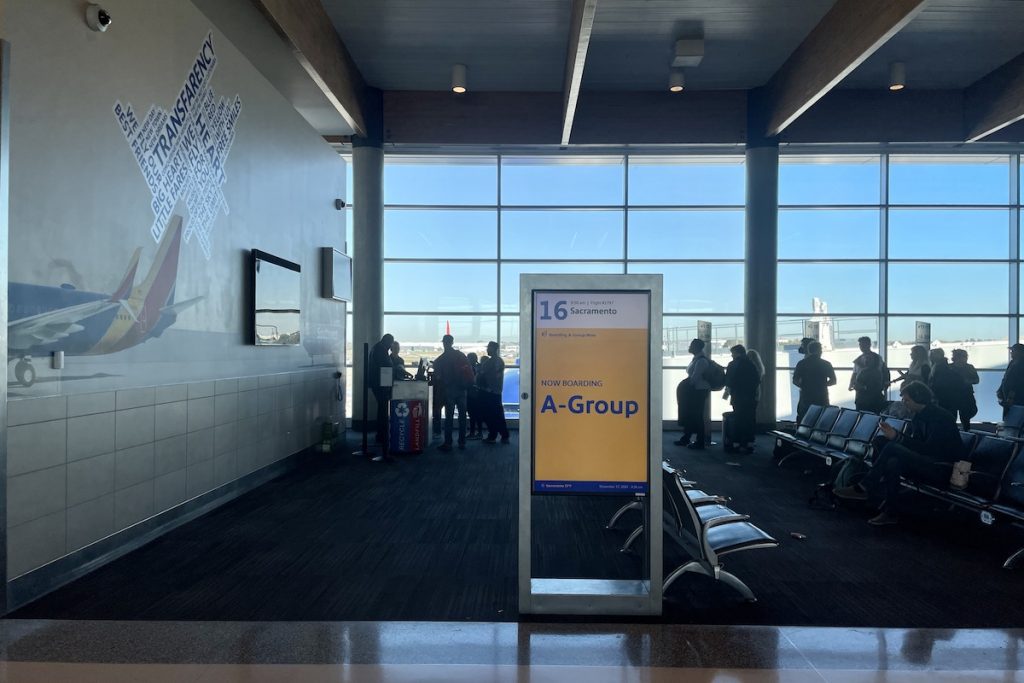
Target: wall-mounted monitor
(277,300)
(337,274)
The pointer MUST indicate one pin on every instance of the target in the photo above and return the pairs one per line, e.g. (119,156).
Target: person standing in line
(813,375)
(920,368)
(968,373)
(947,386)
(742,381)
(867,381)
(473,401)
(697,389)
(452,373)
(1011,389)
(380,357)
(493,373)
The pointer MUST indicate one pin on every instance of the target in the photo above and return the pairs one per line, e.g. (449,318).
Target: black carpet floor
(433,537)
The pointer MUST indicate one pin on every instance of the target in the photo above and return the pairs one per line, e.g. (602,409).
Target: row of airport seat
(702,526)
(995,486)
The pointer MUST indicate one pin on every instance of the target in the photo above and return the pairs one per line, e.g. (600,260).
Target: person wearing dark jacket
(868,380)
(814,375)
(1011,389)
(741,382)
(451,372)
(969,374)
(949,389)
(926,453)
(380,357)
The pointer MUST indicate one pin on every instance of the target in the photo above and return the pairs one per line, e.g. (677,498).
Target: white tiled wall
(82,467)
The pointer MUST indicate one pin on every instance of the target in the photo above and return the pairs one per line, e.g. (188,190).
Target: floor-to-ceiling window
(686,220)
(872,245)
(459,230)
(869,245)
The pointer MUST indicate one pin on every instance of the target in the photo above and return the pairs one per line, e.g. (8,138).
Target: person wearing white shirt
(696,389)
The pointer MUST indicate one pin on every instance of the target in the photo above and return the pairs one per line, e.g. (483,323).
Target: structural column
(761,263)
(367,234)
(5,188)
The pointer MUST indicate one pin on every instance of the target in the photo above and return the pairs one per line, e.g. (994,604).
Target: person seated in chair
(924,454)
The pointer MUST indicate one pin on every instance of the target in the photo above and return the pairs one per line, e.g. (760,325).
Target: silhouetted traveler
(868,382)
(380,357)
(453,374)
(474,405)
(493,372)
(925,454)
(814,375)
(755,358)
(967,372)
(696,390)
(741,382)
(920,369)
(1011,389)
(947,387)
(398,363)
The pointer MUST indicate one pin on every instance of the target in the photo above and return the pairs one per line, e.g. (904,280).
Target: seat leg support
(1012,560)
(691,566)
(634,505)
(635,534)
(734,582)
(787,456)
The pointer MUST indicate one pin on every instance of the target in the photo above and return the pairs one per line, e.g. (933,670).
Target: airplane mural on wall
(44,319)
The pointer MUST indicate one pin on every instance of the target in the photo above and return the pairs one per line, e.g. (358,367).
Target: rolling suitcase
(728,431)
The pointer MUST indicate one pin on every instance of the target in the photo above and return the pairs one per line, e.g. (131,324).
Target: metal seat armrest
(728,519)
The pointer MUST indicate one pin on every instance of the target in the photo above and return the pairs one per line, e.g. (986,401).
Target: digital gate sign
(591,389)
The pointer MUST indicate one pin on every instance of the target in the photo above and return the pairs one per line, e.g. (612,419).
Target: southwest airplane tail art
(45,319)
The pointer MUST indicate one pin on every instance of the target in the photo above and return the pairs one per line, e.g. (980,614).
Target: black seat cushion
(1011,490)
(988,463)
(728,538)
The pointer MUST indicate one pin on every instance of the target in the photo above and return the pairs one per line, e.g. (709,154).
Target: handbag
(961,474)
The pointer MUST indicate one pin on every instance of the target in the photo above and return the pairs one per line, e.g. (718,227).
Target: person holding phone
(925,453)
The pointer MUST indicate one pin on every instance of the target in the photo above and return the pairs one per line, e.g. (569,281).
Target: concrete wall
(160,402)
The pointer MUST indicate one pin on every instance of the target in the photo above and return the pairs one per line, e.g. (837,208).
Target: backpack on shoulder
(715,376)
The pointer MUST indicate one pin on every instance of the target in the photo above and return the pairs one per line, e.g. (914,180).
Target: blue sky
(940,209)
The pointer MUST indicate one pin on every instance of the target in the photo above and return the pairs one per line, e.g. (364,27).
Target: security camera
(97,18)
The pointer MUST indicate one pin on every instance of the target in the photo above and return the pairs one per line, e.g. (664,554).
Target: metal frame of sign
(539,595)
(923,333)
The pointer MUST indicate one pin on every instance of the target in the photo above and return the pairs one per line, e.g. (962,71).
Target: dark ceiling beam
(847,35)
(317,46)
(579,41)
(995,101)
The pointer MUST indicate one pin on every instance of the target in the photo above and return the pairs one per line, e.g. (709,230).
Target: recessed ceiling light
(897,76)
(459,78)
(676,81)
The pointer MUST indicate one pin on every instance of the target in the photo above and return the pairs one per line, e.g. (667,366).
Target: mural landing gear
(25,372)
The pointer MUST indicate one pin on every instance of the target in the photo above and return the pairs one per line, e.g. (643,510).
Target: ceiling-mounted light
(676,81)
(459,78)
(897,76)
